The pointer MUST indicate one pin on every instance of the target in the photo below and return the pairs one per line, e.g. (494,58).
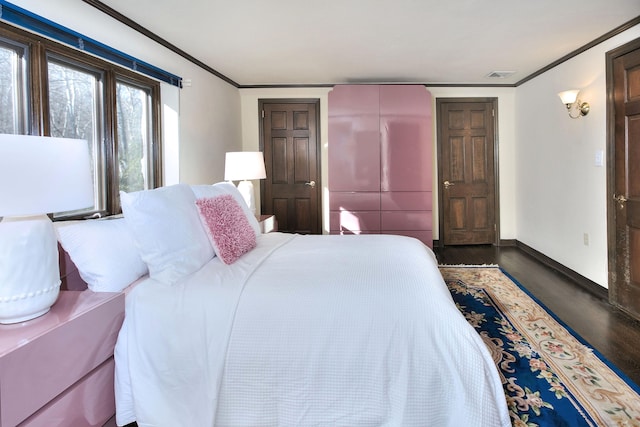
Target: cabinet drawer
(89,403)
(348,232)
(408,220)
(41,358)
(354,201)
(348,221)
(406,200)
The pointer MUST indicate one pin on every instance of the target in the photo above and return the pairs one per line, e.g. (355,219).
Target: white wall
(250,139)
(210,125)
(205,117)
(560,193)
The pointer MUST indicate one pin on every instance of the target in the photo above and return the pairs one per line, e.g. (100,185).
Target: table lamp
(244,166)
(38,175)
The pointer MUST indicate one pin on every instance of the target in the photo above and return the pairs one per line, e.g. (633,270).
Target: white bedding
(302,331)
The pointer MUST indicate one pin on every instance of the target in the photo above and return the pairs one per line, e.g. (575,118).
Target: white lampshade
(38,175)
(244,165)
(43,175)
(569,96)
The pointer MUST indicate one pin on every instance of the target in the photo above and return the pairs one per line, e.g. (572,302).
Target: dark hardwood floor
(607,329)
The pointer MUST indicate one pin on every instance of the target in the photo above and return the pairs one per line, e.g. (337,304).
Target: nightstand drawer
(41,358)
(98,386)
(267,223)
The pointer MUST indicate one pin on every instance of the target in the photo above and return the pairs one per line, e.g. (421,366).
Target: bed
(297,330)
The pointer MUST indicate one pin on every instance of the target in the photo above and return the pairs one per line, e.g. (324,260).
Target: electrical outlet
(598,159)
(585,239)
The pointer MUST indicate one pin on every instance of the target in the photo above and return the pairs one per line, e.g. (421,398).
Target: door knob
(620,199)
(311,184)
(447,184)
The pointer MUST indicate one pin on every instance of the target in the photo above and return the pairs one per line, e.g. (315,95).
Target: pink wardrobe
(381,160)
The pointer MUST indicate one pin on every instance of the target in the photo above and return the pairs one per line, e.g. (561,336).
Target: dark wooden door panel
(467,172)
(289,139)
(280,210)
(624,205)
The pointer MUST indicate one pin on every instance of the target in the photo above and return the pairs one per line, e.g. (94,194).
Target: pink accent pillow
(228,229)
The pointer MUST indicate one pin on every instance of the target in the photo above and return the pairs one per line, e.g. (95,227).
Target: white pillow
(103,251)
(225,187)
(168,232)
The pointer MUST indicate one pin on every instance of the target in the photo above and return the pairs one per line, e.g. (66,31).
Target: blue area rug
(550,376)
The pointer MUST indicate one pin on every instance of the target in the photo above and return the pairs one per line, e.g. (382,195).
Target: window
(72,94)
(12,88)
(75,111)
(134,159)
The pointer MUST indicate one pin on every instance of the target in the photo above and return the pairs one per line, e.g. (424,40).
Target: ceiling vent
(500,74)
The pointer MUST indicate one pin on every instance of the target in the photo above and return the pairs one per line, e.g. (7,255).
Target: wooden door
(467,171)
(290,141)
(623,85)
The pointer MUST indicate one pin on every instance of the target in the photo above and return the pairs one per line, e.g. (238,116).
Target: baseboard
(503,242)
(586,284)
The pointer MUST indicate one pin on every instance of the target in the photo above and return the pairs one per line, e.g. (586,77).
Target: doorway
(467,171)
(290,141)
(623,176)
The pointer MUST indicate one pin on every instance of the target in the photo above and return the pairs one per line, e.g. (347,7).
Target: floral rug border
(560,380)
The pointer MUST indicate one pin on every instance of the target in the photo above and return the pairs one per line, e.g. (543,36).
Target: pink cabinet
(57,369)
(380,160)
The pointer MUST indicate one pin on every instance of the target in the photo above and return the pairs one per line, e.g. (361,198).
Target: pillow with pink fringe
(228,229)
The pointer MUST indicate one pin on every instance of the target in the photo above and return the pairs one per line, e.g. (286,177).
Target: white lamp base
(246,189)
(29,269)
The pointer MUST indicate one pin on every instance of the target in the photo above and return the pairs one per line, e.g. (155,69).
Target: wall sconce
(575,107)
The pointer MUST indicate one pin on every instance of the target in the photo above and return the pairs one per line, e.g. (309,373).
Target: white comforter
(306,331)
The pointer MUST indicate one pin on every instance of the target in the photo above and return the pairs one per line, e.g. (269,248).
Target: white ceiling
(305,42)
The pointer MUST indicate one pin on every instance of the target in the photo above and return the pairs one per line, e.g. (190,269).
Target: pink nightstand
(58,369)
